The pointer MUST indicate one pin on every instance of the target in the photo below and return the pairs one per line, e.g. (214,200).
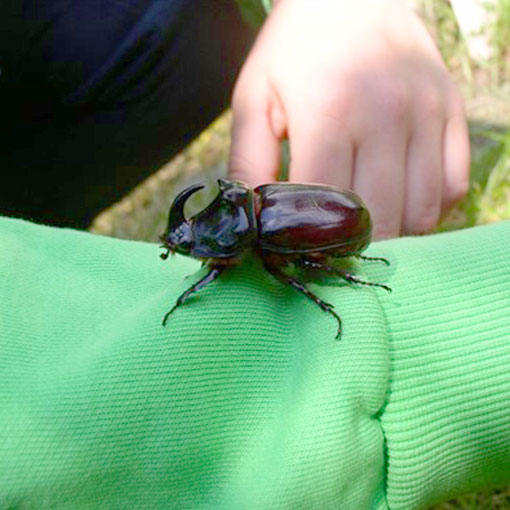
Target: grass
(486,87)
(488,199)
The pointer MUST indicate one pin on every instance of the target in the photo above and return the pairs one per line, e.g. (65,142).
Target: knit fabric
(447,418)
(245,400)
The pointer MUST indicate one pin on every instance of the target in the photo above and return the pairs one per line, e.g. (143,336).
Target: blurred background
(474,39)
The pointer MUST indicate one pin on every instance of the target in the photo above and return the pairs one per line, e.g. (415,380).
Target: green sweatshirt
(245,400)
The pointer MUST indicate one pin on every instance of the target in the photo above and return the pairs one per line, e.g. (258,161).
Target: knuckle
(455,101)
(249,91)
(239,95)
(424,220)
(247,168)
(431,104)
(330,102)
(384,233)
(333,116)
(456,190)
(457,165)
(240,101)
(393,102)
(238,163)
(386,230)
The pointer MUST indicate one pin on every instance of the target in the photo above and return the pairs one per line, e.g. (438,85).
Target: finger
(456,156)
(321,151)
(255,149)
(423,187)
(379,178)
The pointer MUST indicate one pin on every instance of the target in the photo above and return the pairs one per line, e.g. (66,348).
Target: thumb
(255,149)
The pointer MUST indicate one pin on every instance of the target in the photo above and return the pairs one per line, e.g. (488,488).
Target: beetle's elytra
(283,223)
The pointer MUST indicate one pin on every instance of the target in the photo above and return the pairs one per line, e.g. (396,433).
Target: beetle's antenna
(164,256)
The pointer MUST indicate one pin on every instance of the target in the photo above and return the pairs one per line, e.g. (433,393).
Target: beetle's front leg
(319,266)
(214,272)
(300,287)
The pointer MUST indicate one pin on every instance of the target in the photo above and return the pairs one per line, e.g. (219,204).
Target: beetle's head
(178,236)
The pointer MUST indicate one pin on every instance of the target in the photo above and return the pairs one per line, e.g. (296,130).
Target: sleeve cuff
(447,417)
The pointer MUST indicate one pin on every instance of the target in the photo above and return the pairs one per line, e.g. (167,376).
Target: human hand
(361,92)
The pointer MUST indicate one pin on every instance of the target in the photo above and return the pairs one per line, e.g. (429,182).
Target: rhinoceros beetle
(284,223)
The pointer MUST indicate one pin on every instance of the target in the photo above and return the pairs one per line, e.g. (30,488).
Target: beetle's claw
(339,332)
(167,314)
(373,259)
(328,307)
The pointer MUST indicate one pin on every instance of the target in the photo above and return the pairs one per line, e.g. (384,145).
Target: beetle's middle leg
(213,273)
(300,287)
(349,277)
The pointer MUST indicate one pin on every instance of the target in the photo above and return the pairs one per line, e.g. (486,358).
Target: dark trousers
(97,94)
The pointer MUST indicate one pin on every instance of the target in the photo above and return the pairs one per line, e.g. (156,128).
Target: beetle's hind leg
(214,272)
(300,287)
(373,259)
(349,277)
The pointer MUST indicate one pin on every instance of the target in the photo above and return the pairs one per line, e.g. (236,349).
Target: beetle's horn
(176,215)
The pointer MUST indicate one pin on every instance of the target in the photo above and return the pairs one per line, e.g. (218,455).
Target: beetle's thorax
(225,229)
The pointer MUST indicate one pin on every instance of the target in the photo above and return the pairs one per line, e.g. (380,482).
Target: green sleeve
(446,420)
(245,400)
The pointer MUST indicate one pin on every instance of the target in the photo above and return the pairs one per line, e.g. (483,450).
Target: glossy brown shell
(301,218)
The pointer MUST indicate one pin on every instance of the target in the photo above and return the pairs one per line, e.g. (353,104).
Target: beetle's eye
(180,234)
(180,238)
